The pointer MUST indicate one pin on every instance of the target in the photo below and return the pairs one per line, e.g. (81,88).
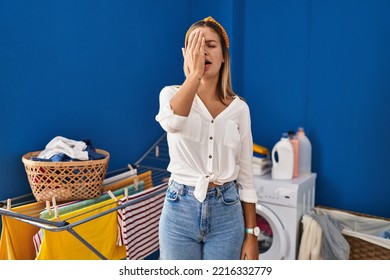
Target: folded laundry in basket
(385,234)
(61,145)
(64,149)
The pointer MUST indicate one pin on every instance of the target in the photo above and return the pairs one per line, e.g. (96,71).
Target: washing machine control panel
(293,193)
(279,195)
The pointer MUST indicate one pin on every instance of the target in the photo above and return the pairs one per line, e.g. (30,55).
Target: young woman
(209,210)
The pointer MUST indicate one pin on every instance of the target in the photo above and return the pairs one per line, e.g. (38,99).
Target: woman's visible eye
(211,46)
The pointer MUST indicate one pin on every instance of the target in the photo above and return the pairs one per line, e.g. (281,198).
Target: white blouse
(204,149)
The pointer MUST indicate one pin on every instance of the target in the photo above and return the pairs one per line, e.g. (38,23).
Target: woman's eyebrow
(211,41)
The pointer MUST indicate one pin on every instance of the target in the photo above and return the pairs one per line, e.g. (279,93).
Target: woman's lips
(207,64)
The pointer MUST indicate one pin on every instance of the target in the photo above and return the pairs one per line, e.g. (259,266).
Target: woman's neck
(207,89)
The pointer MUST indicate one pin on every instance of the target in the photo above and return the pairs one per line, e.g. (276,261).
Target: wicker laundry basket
(66,181)
(364,250)
(361,249)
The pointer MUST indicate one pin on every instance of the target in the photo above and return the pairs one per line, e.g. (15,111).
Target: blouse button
(212,121)
(211,138)
(210,156)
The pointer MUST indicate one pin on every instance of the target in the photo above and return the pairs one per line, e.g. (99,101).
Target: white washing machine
(281,205)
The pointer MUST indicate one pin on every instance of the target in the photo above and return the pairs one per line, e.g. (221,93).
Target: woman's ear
(183,51)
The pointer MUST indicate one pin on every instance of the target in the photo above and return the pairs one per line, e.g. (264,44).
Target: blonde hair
(224,86)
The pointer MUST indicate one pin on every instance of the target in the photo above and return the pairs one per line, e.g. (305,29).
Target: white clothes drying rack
(156,159)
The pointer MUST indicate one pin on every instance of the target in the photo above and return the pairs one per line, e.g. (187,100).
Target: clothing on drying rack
(101,233)
(138,223)
(16,236)
(146,177)
(76,205)
(37,241)
(87,233)
(102,227)
(21,240)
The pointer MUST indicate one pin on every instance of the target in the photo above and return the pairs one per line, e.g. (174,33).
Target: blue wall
(93,69)
(325,65)
(84,69)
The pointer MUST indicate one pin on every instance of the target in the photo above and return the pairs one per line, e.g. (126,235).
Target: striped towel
(37,240)
(138,222)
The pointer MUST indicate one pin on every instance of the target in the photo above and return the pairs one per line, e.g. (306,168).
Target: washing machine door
(273,243)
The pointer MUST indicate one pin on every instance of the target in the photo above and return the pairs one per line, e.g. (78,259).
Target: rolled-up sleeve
(245,176)
(166,117)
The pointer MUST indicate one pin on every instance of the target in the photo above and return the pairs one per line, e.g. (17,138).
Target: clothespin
(126,193)
(112,196)
(9,204)
(48,207)
(157,150)
(55,207)
(130,167)
(136,184)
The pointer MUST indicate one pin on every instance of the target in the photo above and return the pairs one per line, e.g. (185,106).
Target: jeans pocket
(230,196)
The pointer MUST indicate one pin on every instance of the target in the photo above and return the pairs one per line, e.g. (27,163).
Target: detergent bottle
(283,159)
(304,153)
(295,143)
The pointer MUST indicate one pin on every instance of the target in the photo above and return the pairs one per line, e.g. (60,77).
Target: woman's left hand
(250,248)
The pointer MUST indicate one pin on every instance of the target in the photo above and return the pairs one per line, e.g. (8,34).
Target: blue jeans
(191,230)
